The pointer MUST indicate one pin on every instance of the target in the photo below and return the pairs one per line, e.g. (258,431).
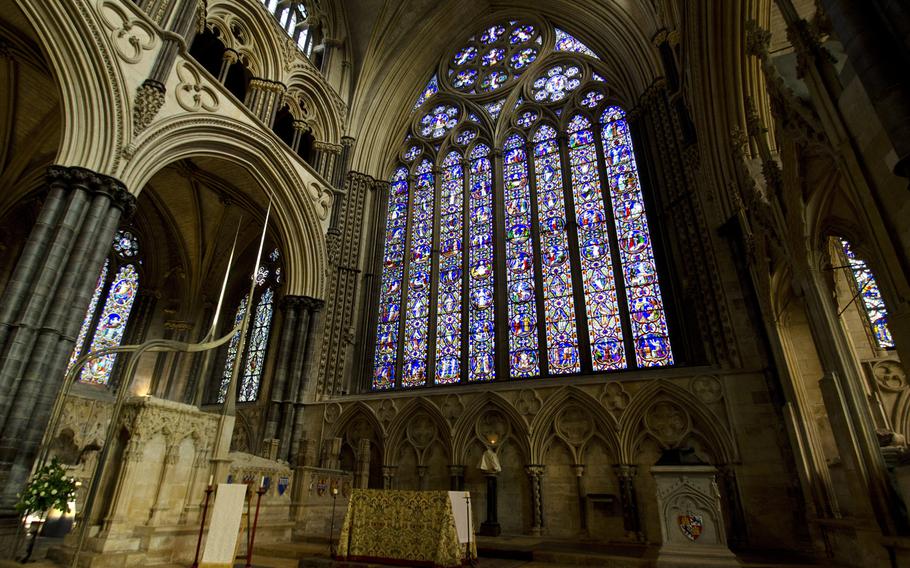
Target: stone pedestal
(490,526)
(691,522)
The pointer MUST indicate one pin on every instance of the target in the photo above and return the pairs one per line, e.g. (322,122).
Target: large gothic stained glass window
(109,309)
(516,239)
(870,297)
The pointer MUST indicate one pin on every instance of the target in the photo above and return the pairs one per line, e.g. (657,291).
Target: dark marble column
(306,371)
(535,472)
(289,310)
(490,526)
(456,478)
(263,98)
(43,305)
(628,499)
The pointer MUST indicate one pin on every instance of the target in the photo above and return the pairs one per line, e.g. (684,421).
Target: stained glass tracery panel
(601,304)
(255,353)
(559,303)
(233,346)
(89,315)
(482,333)
(451,242)
(870,296)
(384,362)
(522,292)
(649,322)
(414,372)
(112,324)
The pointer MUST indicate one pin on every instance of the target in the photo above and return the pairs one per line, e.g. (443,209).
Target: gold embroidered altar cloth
(413,528)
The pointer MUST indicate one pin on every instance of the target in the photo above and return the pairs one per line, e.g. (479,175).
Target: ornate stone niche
(691,521)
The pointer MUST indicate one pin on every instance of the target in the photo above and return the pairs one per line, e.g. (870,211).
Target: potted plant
(48,488)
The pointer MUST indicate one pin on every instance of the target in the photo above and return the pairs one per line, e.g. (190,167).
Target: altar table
(413,528)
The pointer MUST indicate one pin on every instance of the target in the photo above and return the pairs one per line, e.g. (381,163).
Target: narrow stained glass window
(232,352)
(604,327)
(89,315)
(255,354)
(384,375)
(414,372)
(523,359)
(480,283)
(636,254)
(559,305)
(111,324)
(871,298)
(451,242)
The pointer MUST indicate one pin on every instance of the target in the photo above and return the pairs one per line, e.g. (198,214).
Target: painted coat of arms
(691,525)
(283,483)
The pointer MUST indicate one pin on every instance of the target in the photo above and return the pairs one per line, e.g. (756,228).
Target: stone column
(362,468)
(456,478)
(629,500)
(288,307)
(388,476)
(44,304)
(168,363)
(423,480)
(307,369)
(325,160)
(191,497)
(582,500)
(123,489)
(300,128)
(535,472)
(184,25)
(263,98)
(170,460)
(490,526)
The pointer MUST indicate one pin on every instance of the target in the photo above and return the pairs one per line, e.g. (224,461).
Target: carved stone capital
(72,177)
(149,100)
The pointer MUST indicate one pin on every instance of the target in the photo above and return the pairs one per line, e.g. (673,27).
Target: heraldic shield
(691,525)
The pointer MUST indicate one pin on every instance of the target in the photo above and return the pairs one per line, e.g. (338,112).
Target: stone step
(294,550)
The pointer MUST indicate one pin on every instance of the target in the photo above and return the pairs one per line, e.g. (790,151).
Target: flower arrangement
(49,488)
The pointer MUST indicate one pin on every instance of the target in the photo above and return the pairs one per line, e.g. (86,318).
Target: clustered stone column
(263,98)
(43,305)
(150,94)
(388,476)
(292,373)
(325,159)
(628,499)
(535,472)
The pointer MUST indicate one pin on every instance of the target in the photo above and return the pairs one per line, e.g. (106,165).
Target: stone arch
(76,48)
(543,428)
(357,410)
(300,203)
(399,434)
(261,48)
(322,109)
(634,426)
(463,434)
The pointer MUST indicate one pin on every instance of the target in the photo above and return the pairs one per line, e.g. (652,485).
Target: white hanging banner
(221,542)
(461,509)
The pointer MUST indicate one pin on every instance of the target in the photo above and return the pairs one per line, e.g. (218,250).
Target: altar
(420,528)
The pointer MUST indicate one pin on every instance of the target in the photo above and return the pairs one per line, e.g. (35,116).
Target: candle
(334,491)
(211,479)
(262,482)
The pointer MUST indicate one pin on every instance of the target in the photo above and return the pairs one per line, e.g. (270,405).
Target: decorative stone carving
(890,375)
(615,397)
(574,424)
(451,407)
(492,427)
(421,431)
(667,422)
(387,411)
(130,37)
(149,100)
(192,94)
(332,412)
(691,521)
(707,388)
(357,430)
(528,403)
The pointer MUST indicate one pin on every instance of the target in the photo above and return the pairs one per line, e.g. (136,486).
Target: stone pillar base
(490,529)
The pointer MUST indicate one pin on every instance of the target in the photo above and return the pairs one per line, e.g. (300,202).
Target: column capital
(535,470)
(456,470)
(93,182)
(305,302)
(267,85)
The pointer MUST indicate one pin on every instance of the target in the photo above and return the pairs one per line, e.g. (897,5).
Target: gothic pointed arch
(575,429)
(420,424)
(489,406)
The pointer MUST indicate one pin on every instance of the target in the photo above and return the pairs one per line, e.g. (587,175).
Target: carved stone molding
(93,182)
(192,93)
(667,422)
(615,397)
(130,37)
(149,100)
(707,388)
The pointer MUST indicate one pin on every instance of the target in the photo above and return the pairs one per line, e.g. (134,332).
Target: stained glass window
(480,276)
(259,340)
(416,324)
(559,304)
(520,261)
(871,298)
(550,244)
(111,324)
(385,375)
(233,346)
(109,309)
(449,295)
(431,89)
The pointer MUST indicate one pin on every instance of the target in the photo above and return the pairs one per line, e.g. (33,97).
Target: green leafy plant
(49,488)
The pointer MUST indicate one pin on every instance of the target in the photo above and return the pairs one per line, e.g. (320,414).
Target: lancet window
(268,280)
(109,309)
(516,238)
(292,17)
(869,296)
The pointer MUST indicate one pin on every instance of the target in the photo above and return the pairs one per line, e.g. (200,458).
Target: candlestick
(252,540)
(205,508)
(211,479)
